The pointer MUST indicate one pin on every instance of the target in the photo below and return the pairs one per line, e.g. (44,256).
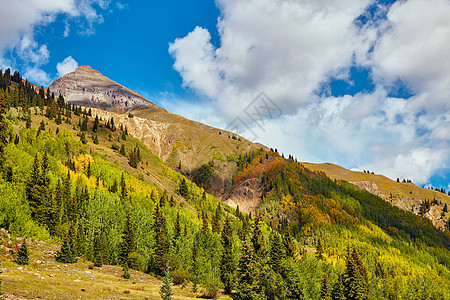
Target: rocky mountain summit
(88,87)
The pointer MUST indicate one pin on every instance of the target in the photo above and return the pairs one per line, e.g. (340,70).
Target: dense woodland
(311,238)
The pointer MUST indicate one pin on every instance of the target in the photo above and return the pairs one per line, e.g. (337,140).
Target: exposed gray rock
(89,87)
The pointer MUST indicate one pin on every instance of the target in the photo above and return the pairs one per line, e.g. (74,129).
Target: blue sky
(360,83)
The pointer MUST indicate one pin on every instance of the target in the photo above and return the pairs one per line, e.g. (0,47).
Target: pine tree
(226,263)
(28,123)
(122,150)
(32,188)
(216,226)
(288,244)
(195,266)
(97,252)
(246,273)
(325,289)
(127,241)
(162,240)
(319,250)
(165,290)
(177,227)
(276,252)
(65,255)
(445,208)
(338,289)
(23,255)
(356,285)
(258,238)
(183,189)
(95,126)
(123,188)
(126,271)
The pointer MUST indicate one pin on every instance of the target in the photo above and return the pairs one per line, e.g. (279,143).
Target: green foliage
(203,175)
(23,255)
(65,255)
(165,290)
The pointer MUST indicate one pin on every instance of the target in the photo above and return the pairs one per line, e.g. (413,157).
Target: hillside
(78,186)
(405,195)
(182,144)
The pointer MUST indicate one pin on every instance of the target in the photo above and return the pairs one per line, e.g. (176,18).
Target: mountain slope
(405,195)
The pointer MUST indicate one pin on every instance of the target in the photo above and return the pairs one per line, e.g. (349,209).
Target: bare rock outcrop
(89,87)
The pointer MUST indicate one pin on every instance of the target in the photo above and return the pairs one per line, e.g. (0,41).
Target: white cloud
(18,20)
(37,75)
(66,66)
(290,49)
(284,48)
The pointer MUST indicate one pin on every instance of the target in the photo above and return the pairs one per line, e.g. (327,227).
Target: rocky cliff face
(89,87)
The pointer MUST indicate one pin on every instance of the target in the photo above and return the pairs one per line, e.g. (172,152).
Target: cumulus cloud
(66,66)
(292,49)
(18,20)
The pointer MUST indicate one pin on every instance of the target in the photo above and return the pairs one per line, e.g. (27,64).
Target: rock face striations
(89,87)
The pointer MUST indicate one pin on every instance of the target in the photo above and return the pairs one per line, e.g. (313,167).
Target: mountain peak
(88,87)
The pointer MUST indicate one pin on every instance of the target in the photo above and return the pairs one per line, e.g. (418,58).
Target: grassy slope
(404,195)
(45,278)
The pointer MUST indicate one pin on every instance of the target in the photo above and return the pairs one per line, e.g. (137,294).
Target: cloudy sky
(361,83)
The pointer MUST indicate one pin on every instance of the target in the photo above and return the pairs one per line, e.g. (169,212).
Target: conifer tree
(216,226)
(123,188)
(122,150)
(338,289)
(28,123)
(65,255)
(162,240)
(226,263)
(276,252)
(95,126)
(97,252)
(183,189)
(177,226)
(445,208)
(289,246)
(32,187)
(126,271)
(195,266)
(246,273)
(258,237)
(165,290)
(23,255)
(325,289)
(356,285)
(127,241)
(319,250)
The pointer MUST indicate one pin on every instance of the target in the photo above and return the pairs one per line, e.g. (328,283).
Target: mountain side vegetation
(72,178)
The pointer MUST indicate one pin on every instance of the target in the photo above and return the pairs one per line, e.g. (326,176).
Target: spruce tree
(319,250)
(226,262)
(177,227)
(325,289)
(95,126)
(183,189)
(258,238)
(65,255)
(165,290)
(356,285)
(445,208)
(127,241)
(195,266)
(246,273)
(23,255)
(97,252)
(123,188)
(338,289)
(276,252)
